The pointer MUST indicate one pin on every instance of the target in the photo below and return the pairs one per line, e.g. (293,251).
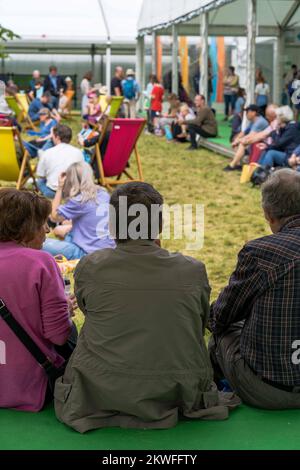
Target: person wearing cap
(257,123)
(131,92)
(43,139)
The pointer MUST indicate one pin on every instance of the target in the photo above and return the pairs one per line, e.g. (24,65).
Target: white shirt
(57,160)
(262,89)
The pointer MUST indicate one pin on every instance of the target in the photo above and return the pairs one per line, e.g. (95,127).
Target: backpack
(129,89)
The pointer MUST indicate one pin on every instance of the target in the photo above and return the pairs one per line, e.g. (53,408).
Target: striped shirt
(264,292)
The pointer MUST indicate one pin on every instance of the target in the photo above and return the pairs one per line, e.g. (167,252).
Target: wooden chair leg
(22,170)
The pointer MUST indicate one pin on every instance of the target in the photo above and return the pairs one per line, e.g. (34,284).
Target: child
(156,102)
(186,114)
(94,108)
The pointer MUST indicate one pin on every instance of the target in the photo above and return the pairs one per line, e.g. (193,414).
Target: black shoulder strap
(19,331)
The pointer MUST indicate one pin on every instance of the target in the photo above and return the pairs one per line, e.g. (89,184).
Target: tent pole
(251,52)
(154,54)
(204,56)
(140,66)
(175,60)
(108,64)
(279,45)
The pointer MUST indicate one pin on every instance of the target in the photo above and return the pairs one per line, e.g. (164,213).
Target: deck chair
(20,107)
(115,105)
(103,101)
(122,142)
(10,170)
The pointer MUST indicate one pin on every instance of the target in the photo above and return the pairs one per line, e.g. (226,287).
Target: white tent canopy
(70,19)
(251,18)
(225,17)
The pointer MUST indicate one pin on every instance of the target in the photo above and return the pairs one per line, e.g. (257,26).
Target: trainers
(232,168)
(191,149)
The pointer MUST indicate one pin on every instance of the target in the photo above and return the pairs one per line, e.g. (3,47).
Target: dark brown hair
(63,132)
(22,214)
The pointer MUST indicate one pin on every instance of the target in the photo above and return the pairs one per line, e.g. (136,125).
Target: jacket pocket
(62,390)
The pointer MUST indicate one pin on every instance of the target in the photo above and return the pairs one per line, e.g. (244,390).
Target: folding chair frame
(24,165)
(108,182)
(24,116)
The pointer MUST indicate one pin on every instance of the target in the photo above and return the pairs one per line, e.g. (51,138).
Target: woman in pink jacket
(33,290)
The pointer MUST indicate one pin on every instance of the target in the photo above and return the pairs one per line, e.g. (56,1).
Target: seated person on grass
(39,103)
(86,207)
(56,160)
(255,321)
(257,123)
(284,141)
(180,131)
(44,136)
(205,123)
(33,291)
(141,358)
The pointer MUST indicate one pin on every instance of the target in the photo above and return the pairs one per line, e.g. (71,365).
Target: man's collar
(290,223)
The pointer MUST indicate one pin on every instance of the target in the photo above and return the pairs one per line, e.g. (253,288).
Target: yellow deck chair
(10,170)
(20,106)
(103,101)
(115,105)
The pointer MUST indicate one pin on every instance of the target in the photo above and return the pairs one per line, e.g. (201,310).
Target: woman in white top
(85,88)
(262,93)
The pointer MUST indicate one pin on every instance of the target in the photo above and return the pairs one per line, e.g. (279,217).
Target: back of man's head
(136,212)
(63,133)
(281,195)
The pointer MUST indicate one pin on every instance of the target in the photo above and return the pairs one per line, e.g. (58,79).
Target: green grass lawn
(233,214)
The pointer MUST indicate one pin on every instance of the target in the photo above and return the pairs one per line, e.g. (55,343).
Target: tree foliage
(6,35)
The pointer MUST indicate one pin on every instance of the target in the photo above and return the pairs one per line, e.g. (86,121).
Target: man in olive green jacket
(141,358)
(205,123)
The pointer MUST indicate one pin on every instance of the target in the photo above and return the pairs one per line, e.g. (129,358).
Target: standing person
(85,88)
(262,93)
(44,314)
(87,208)
(205,123)
(54,83)
(231,86)
(34,82)
(131,92)
(57,160)
(141,359)
(116,83)
(238,113)
(147,101)
(157,97)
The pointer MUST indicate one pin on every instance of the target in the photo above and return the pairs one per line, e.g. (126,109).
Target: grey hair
(281,194)
(284,114)
(80,181)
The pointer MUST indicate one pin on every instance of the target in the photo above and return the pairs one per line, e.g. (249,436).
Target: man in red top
(157,96)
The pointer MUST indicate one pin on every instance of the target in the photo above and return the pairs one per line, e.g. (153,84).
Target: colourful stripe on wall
(221,68)
(184,58)
(159,49)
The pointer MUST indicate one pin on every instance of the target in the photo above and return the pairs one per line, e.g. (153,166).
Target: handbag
(52,372)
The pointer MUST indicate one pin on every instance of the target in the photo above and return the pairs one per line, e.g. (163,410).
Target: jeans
(65,247)
(229,101)
(47,192)
(194,130)
(273,158)
(33,147)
